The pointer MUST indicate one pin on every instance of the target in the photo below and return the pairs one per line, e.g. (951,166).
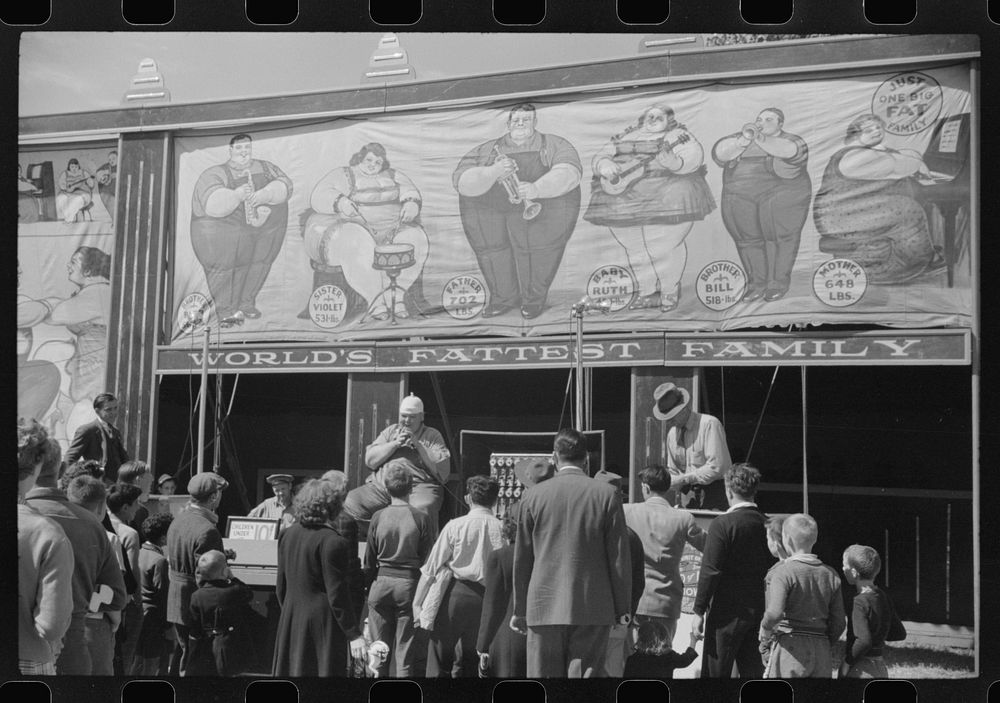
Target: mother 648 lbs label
(840,283)
(328,306)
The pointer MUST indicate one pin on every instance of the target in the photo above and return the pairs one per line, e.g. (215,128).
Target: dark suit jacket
(733,565)
(572,562)
(508,649)
(92,442)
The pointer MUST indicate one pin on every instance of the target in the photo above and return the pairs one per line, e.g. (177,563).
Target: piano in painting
(947,158)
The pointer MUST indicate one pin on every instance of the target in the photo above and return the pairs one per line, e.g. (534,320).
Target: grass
(910,660)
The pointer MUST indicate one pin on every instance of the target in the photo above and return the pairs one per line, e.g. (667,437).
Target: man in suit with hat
(280,504)
(192,533)
(697,454)
(100,439)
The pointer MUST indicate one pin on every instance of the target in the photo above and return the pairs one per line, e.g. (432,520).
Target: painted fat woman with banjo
(649,188)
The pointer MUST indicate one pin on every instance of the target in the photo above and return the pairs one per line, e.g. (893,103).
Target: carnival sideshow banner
(66,201)
(836,200)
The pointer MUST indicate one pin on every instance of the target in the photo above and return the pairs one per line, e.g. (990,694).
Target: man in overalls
(497,182)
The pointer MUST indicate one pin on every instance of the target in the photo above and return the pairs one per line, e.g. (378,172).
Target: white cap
(412,404)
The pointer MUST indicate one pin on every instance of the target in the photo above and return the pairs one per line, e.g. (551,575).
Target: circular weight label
(327,306)
(464,297)
(908,103)
(720,285)
(840,283)
(613,283)
(193,311)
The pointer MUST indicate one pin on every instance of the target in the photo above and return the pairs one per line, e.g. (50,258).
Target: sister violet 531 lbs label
(327,306)
(840,283)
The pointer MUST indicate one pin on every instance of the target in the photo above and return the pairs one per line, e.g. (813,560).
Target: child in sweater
(873,619)
(804,609)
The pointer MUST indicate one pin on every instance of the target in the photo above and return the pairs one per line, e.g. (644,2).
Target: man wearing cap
(280,504)
(421,448)
(190,535)
(165,485)
(697,454)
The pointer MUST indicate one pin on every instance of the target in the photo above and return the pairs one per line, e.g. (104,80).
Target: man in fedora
(697,454)
(280,504)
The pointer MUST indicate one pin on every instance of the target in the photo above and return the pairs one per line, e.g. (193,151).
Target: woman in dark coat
(508,650)
(318,630)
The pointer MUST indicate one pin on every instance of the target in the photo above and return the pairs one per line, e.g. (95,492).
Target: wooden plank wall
(372,405)
(140,224)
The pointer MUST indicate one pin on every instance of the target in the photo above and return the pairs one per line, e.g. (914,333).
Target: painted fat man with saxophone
(239,216)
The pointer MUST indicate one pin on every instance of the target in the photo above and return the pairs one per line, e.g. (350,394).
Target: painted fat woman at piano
(867,208)
(239,216)
(649,188)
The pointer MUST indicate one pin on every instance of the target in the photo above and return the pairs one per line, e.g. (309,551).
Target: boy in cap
(421,448)
(697,454)
(190,535)
(280,504)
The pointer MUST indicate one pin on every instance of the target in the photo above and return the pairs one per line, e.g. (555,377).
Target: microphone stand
(577,312)
(202,400)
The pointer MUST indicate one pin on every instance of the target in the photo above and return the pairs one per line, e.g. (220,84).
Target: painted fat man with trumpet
(519,198)
(766,193)
(239,215)
(649,188)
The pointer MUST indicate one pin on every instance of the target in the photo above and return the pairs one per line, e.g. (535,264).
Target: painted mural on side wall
(66,201)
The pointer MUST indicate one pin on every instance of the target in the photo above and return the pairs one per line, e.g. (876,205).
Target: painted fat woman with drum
(366,221)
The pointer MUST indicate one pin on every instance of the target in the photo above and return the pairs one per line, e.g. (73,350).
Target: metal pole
(201,403)
(579,369)
(805,446)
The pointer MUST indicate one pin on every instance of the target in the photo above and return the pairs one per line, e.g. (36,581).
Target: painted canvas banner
(65,241)
(842,200)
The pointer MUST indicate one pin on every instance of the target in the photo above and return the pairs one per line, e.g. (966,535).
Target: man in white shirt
(461,548)
(697,454)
